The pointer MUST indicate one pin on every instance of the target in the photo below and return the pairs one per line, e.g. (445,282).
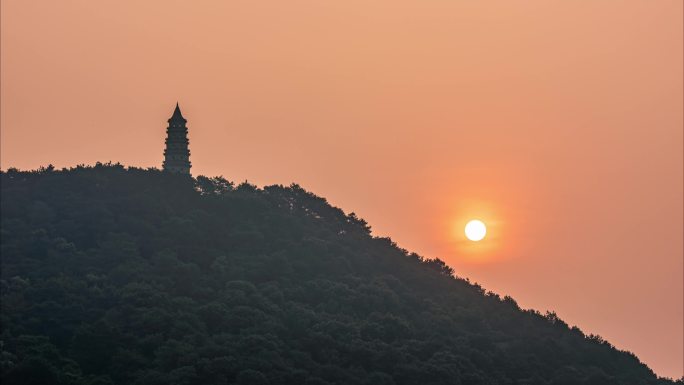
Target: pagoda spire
(177,116)
(177,154)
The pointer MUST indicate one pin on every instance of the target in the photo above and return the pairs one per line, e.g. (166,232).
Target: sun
(475,230)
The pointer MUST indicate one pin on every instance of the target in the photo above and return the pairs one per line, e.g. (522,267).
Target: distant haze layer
(557,123)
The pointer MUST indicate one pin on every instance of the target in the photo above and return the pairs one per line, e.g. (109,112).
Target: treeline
(114,275)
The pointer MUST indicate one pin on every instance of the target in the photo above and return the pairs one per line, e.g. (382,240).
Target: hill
(129,276)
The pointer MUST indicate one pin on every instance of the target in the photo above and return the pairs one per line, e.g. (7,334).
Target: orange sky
(557,122)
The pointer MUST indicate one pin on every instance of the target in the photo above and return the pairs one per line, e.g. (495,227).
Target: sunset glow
(536,147)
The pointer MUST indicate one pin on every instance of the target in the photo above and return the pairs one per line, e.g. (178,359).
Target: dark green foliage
(130,276)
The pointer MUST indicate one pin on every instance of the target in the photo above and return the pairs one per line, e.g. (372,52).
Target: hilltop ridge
(114,275)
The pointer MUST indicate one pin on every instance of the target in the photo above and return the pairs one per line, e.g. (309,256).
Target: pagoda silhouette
(177,153)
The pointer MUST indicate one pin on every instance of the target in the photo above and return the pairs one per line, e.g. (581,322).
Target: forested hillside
(128,276)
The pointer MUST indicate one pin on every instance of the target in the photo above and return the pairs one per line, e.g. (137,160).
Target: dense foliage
(129,276)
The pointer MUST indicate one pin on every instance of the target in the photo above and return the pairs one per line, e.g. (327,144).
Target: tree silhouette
(114,275)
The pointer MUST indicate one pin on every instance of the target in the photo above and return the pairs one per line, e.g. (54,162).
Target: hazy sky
(558,123)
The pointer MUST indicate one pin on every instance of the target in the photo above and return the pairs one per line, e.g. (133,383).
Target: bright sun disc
(475,230)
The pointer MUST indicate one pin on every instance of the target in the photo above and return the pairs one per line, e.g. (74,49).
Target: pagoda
(177,154)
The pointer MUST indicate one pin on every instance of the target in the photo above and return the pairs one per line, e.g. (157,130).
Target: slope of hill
(131,276)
